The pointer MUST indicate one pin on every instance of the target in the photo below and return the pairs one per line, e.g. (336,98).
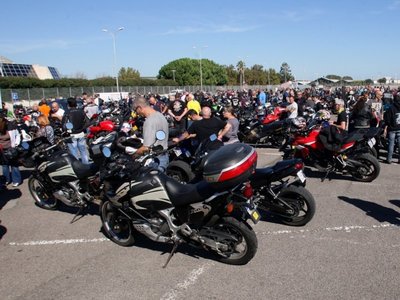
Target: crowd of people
(198,115)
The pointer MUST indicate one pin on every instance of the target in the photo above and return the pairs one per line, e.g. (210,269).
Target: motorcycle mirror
(213,137)
(69,125)
(25,145)
(106,151)
(160,135)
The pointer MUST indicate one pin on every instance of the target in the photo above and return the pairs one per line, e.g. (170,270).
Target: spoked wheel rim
(117,226)
(40,194)
(237,246)
(298,207)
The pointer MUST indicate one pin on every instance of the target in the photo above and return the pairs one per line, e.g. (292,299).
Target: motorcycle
(59,177)
(330,151)
(210,214)
(289,201)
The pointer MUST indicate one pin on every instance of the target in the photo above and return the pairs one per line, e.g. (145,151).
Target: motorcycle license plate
(371,142)
(301,176)
(254,215)
(178,152)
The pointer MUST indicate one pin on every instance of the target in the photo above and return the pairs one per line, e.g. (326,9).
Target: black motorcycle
(210,214)
(274,191)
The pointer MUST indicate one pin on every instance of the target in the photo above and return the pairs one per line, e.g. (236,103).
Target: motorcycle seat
(83,170)
(184,194)
(273,173)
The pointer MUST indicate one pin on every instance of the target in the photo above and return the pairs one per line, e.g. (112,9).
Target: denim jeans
(79,144)
(14,176)
(393,136)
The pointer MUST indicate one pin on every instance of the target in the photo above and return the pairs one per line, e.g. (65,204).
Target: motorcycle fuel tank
(59,168)
(147,192)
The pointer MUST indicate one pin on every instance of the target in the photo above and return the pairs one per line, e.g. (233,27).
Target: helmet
(299,122)
(323,115)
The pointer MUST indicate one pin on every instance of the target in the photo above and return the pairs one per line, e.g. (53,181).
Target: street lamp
(113,33)
(201,71)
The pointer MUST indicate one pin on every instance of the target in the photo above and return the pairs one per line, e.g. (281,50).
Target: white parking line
(331,229)
(186,283)
(56,242)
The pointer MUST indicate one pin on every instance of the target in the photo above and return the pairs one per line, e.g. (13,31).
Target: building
(9,69)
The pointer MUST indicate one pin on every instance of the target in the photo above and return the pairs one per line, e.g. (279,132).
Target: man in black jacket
(392,129)
(79,121)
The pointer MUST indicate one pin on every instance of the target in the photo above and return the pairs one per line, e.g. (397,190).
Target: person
(45,129)
(154,122)
(6,112)
(35,113)
(56,111)
(90,108)
(204,128)
(262,98)
(9,139)
(192,104)
(79,121)
(230,133)
(177,110)
(292,108)
(392,127)
(341,121)
(44,108)
(377,108)
(157,104)
(362,114)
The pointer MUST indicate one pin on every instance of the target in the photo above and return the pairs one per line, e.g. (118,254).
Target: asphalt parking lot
(350,250)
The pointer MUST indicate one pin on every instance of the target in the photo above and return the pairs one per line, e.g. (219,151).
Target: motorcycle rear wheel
(241,247)
(369,170)
(40,195)
(302,205)
(180,171)
(116,226)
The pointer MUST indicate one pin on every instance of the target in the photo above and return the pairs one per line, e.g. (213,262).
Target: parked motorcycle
(210,214)
(330,151)
(59,177)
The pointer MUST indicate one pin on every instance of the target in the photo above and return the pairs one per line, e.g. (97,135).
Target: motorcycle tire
(243,245)
(40,195)
(369,170)
(302,205)
(180,171)
(116,226)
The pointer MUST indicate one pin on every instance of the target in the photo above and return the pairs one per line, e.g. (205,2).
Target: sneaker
(388,162)
(15,184)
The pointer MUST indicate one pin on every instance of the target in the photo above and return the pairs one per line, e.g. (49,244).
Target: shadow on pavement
(3,231)
(9,194)
(395,202)
(320,174)
(374,210)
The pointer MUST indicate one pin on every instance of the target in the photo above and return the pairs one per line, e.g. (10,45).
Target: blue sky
(316,38)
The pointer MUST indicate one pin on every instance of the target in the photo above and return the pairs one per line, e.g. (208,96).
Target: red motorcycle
(99,128)
(278,113)
(330,150)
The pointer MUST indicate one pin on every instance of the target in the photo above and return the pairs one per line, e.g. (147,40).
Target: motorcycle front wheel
(116,226)
(295,206)
(238,242)
(41,195)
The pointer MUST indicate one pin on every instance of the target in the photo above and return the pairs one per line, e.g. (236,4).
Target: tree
(347,78)
(334,77)
(187,72)
(382,80)
(232,75)
(285,73)
(369,81)
(128,73)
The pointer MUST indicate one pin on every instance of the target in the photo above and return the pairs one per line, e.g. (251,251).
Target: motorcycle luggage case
(230,165)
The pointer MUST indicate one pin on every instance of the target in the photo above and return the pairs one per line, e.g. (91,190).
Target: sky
(315,37)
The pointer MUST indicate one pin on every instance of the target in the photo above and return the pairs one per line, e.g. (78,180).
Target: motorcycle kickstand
(176,244)
(326,176)
(75,218)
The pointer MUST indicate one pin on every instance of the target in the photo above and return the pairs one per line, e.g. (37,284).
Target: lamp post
(113,33)
(201,71)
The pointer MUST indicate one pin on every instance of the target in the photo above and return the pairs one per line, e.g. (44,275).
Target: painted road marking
(190,280)
(57,242)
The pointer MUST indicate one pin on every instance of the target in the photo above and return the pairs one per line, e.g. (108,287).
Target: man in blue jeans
(392,129)
(79,120)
